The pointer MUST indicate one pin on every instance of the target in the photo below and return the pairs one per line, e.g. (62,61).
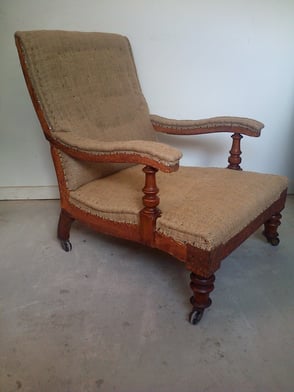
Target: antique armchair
(88,99)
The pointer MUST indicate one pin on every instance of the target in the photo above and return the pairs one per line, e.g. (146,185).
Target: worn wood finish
(202,264)
(63,190)
(63,229)
(271,229)
(201,288)
(31,90)
(64,225)
(126,231)
(235,152)
(150,212)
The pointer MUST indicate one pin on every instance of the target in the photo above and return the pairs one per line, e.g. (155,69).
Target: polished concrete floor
(112,316)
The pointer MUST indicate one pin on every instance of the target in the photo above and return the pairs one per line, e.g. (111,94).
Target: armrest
(158,155)
(245,126)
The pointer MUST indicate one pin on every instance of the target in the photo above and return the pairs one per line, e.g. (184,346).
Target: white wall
(195,59)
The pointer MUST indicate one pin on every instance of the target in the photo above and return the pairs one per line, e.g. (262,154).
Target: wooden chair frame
(202,264)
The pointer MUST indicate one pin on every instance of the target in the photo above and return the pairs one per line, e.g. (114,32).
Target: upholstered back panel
(87,83)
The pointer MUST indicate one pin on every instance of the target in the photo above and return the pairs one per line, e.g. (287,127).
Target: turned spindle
(150,212)
(235,152)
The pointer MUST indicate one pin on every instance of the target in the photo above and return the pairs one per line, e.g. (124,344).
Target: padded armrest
(246,126)
(158,155)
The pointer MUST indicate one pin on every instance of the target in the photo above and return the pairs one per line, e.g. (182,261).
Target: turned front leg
(201,287)
(271,229)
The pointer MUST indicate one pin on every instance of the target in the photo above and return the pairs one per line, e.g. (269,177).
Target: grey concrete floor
(112,315)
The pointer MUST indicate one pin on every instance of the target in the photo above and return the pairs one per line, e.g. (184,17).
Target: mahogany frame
(202,264)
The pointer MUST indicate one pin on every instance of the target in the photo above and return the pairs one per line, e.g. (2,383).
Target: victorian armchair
(88,99)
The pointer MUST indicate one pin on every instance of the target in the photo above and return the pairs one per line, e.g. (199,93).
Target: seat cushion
(204,207)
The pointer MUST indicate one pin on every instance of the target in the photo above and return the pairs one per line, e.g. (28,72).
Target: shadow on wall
(289,156)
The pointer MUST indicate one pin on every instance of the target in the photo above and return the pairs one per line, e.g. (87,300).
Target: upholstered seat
(87,96)
(189,214)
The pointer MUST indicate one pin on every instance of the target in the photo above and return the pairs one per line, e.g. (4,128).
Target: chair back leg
(63,230)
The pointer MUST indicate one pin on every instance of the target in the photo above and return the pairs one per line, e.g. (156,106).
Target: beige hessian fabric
(204,207)
(253,126)
(87,85)
(82,172)
(160,152)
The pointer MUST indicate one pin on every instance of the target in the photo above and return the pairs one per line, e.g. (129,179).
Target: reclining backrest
(87,83)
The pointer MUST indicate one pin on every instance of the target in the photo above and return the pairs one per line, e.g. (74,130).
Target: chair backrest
(87,83)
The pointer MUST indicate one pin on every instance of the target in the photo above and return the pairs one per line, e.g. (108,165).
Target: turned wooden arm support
(149,153)
(235,125)
(241,125)
(155,156)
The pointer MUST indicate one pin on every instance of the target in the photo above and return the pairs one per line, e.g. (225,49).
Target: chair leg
(64,225)
(271,229)
(201,288)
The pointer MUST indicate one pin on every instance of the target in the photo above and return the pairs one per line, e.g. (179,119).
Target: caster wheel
(274,241)
(66,245)
(196,316)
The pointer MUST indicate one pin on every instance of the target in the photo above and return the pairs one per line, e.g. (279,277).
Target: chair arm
(245,126)
(158,155)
